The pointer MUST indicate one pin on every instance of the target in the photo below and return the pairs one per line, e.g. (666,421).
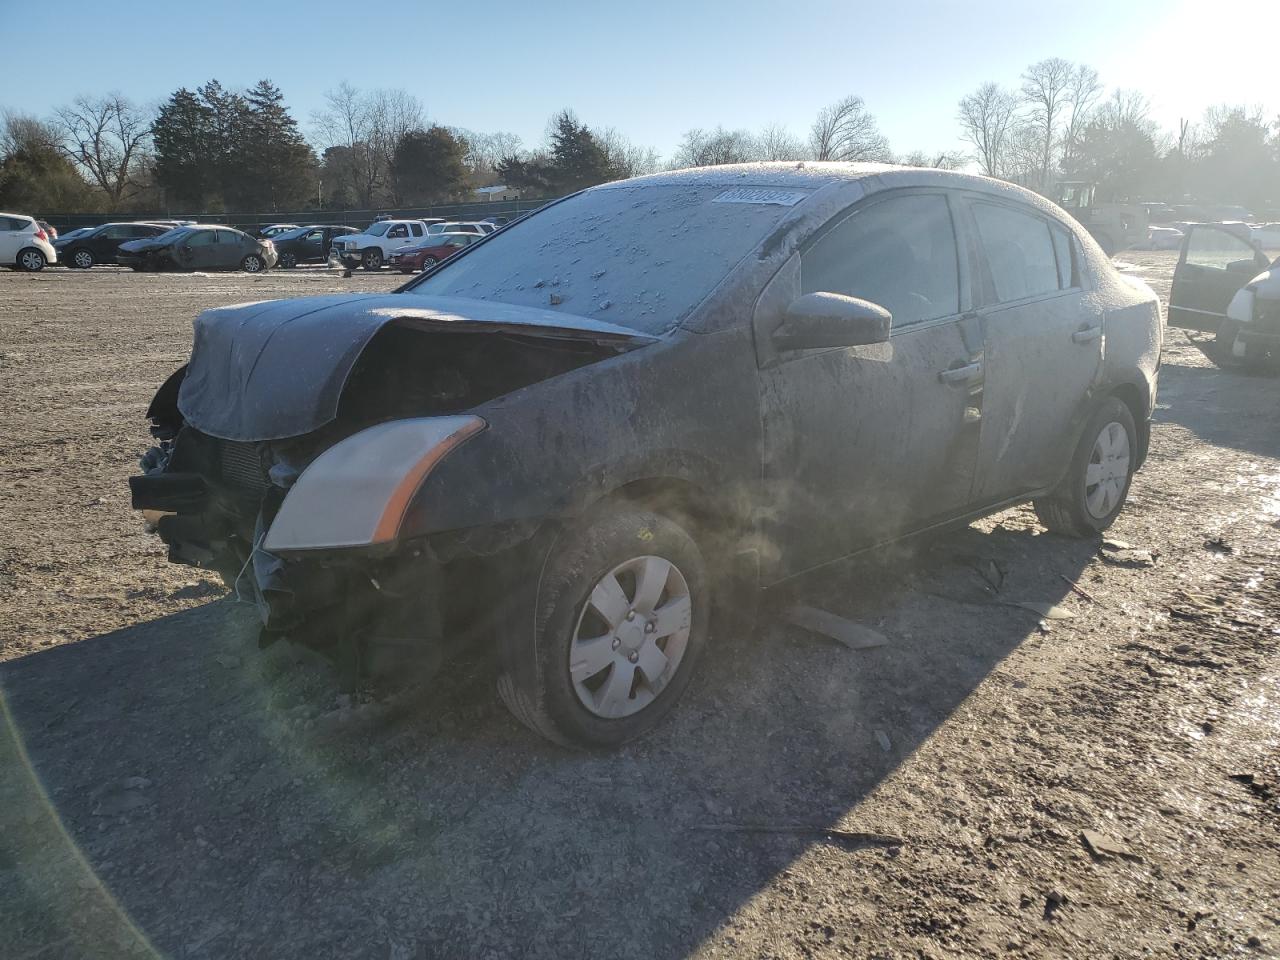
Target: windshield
(172,234)
(637,255)
(78,232)
(377,229)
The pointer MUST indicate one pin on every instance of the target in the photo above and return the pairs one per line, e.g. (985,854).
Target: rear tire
(253,264)
(1095,487)
(288,261)
(371,260)
(81,259)
(31,260)
(621,619)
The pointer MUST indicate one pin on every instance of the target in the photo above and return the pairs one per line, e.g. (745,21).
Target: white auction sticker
(782,198)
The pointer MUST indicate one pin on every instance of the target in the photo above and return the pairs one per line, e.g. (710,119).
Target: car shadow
(1228,407)
(169,789)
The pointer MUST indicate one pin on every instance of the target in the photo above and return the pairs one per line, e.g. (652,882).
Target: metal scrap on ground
(853,635)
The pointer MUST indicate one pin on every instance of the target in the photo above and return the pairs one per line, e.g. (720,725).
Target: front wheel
(288,261)
(253,264)
(428,263)
(31,260)
(1091,495)
(622,616)
(372,260)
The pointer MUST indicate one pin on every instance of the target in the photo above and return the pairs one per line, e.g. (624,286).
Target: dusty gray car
(582,435)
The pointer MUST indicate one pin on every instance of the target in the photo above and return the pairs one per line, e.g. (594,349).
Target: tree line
(214,149)
(1058,123)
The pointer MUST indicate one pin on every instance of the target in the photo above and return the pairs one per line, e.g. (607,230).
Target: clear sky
(653,70)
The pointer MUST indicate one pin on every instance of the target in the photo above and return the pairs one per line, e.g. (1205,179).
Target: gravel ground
(168,790)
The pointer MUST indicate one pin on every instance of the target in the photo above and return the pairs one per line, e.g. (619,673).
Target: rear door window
(1019,251)
(899,253)
(202,238)
(416,228)
(1063,251)
(14,223)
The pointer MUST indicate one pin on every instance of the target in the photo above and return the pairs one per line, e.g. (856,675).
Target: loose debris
(853,635)
(1102,847)
(1047,610)
(1122,554)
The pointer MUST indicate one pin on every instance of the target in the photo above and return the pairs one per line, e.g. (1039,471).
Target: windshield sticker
(781,198)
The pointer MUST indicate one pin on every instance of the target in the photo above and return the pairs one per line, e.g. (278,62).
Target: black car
(307,244)
(199,247)
(100,244)
(576,438)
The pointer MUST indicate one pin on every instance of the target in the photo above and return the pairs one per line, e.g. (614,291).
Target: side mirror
(831,320)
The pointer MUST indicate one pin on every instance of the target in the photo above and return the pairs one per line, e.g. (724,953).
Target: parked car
(497,221)
(271,231)
(427,254)
(1267,235)
(646,399)
(374,246)
(1225,285)
(50,231)
(461,226)
(99,244)
(173,223)
(199,247)
(24,243)
(1164,238)
(308,244)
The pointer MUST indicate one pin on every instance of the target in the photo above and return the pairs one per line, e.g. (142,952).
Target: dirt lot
(166,789)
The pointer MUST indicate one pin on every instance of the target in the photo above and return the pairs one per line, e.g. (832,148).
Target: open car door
(1213,265)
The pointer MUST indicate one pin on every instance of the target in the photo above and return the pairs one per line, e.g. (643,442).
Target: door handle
(964,374)
(1087,335)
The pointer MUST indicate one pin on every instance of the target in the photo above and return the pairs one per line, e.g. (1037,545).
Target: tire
(1077,508)
(288,261)
(253,264)
(371,260)
(31,260)
(581,706)
(406,269)
(80,259)
(428,263)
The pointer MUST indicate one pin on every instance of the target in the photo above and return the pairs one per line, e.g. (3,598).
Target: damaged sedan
(596,434)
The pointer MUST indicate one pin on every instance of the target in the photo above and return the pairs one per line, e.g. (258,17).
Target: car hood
(277,368)
(146,243)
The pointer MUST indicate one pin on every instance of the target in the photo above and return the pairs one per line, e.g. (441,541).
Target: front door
(1212,265)
(1044,341)
(864,444)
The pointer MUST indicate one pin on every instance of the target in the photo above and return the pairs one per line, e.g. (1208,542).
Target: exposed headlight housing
(356,493)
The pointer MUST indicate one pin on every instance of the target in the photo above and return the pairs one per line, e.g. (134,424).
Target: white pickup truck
(373,246)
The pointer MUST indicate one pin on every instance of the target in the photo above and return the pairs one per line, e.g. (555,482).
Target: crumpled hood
(276,368)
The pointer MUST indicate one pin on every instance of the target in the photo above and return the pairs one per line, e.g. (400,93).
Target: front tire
(371,260)
(31,260)
(1093,492)
(288,261)
(621,619)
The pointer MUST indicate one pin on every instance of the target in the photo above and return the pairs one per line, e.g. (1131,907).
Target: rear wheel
(621,619)
(288,261)
(1093,492)
(429,262)
(253,264)
(81,259)
(371,260)
(31,260)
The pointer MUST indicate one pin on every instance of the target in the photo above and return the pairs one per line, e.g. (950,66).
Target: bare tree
(106,137)
(708,148)
(486,150)
(392,114)
(776,142)
(1083,90)
(938,159)
(845,130)
(1046,91)
(626,158)
(21,131)
(349,124)
(986,119)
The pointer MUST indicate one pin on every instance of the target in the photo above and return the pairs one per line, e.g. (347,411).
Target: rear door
(1212,265)
(864,444)
(312,245)
(1043,339)
(13,237)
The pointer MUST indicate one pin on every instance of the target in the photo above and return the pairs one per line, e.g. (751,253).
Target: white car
(375,245)
(1164,238)
(459,226)
(24,243)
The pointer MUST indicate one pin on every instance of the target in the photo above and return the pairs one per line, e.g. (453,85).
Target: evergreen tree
(578,160)
(182,136)
(429,165)
(278,166)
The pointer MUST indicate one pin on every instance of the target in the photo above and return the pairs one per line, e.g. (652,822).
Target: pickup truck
(373,246)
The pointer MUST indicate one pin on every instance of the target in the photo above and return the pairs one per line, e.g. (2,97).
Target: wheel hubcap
(1108,470)
(31,260)
(83,259)
(630,637)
